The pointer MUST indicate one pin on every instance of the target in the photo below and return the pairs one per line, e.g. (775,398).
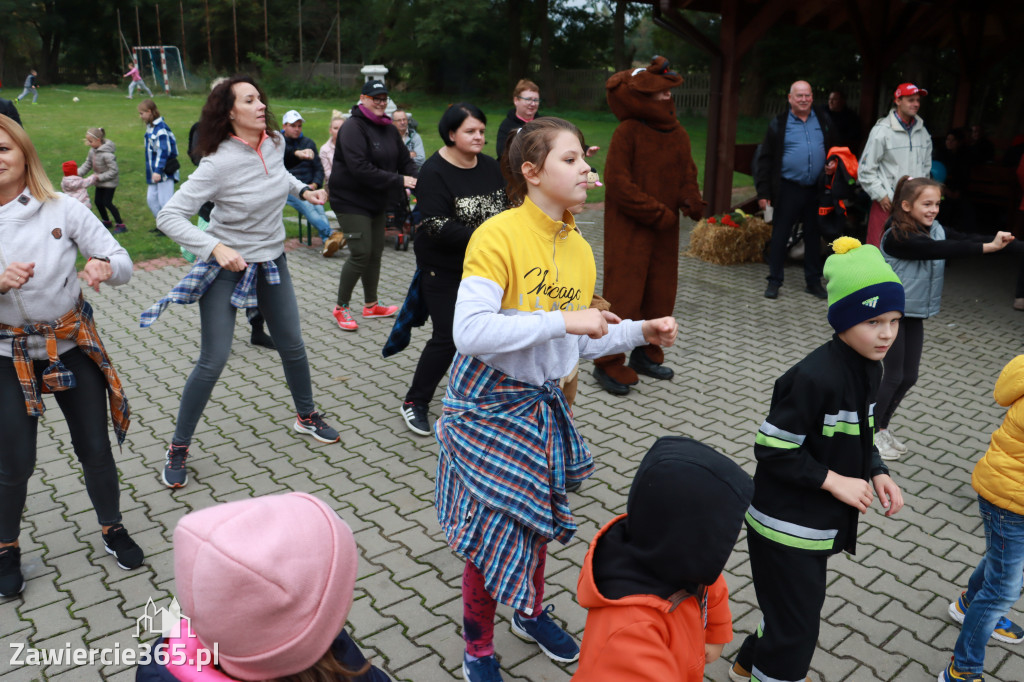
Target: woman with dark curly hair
(240,257)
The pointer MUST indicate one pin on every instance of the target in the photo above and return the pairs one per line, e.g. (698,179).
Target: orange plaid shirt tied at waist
(77,325)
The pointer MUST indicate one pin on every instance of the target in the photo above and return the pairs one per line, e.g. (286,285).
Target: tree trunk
(516,56)
(547,74)
(620,58)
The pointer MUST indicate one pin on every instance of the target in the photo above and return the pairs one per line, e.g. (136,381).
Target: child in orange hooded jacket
(658,605)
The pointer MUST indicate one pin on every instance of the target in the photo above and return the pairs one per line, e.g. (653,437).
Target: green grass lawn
(57,127)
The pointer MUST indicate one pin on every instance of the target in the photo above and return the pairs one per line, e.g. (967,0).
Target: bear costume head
(631,94)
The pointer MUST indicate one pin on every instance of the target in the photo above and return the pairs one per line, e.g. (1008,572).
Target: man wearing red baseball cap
(897,145)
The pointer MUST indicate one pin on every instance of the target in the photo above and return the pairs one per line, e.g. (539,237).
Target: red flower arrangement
(726,220)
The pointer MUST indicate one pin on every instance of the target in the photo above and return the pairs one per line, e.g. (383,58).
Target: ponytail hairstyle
(908,189)
(530,144)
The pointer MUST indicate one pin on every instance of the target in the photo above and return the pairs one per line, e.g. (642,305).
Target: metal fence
(584,89)
(347,76)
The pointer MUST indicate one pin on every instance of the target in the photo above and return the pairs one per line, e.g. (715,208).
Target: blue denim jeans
(994,586)
(313,213)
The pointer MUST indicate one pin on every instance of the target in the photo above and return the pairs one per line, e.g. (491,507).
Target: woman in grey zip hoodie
(48,338)
(240,257)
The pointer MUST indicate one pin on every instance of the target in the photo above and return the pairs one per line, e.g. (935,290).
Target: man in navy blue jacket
(301,160)
(789,161)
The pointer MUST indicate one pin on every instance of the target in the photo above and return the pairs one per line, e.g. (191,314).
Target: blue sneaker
(951,674)
(1005,631)
(175,474)
(314,425)
(484,669)
(553,640)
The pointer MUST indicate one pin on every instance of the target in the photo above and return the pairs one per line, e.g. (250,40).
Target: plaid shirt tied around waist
(508,449)
(192,287)
(77,325)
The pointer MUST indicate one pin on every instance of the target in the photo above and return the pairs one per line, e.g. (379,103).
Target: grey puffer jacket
(103,162)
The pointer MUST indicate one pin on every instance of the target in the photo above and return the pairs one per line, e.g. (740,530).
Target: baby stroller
(401,222)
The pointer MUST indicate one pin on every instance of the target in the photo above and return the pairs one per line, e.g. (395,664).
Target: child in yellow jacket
(996,583)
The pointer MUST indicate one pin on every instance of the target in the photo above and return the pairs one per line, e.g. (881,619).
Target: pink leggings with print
(478,607)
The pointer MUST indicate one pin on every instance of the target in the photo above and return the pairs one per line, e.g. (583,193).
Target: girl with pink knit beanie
(264,610)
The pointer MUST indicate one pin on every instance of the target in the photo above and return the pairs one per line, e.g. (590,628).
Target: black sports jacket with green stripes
(821,418)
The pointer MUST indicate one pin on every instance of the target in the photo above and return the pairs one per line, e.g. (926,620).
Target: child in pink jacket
(74,186)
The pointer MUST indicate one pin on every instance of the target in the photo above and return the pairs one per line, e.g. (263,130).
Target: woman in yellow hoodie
(996,583)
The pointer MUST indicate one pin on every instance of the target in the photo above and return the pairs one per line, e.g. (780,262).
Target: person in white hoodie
(49,342)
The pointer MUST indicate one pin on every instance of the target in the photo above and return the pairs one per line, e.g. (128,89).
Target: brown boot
(613,375)
(334,243)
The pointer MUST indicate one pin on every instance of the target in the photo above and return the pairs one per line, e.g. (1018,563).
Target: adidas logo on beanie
(860,284)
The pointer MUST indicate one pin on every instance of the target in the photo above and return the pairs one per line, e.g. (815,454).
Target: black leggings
(901,364)
(439,289)
(85,411)
(104,198)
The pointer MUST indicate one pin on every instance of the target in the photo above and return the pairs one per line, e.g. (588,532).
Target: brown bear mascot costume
(650,177)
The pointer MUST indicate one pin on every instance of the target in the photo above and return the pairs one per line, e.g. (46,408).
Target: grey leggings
(365,235)
(217,319)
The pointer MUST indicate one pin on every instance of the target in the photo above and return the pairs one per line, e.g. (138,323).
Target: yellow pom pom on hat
(860,284)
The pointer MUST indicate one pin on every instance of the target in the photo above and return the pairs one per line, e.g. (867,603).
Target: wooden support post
(737,38)
(719,193)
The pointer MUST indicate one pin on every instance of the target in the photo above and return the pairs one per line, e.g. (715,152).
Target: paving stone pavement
(885,616)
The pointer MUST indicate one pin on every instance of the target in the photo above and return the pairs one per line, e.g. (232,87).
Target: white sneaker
(883,441)
(899,445)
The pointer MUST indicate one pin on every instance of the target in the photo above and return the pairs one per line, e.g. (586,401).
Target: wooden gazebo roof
(981,31)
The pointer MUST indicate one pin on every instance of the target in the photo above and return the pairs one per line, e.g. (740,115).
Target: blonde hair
(35,176)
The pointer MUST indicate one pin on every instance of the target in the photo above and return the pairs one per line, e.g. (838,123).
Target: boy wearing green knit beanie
(817,465)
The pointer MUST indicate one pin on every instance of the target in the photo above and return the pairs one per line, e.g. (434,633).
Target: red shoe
(378,310)
(343,314)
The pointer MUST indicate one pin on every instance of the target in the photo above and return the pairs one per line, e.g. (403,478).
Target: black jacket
(768,160)
(344,649)
(369,162)
(307,171)
(819,420)
(454,202)
(7,108)
(684,513)
(510,123)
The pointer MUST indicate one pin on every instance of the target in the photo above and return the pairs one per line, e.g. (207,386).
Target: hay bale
(724,245)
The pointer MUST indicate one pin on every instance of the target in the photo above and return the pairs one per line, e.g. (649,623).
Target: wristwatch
(102,258)
(303,191)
